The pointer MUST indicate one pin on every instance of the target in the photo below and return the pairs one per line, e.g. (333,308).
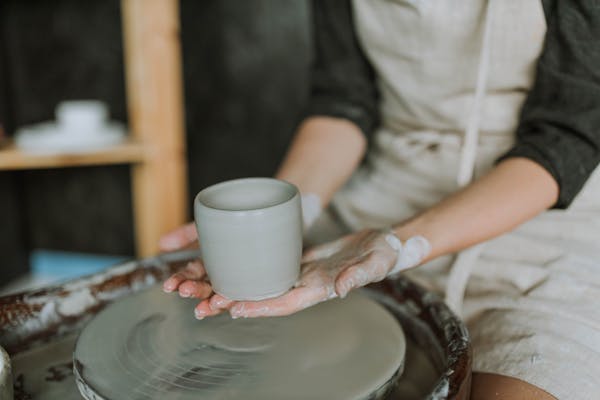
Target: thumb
(411,254)
(179,238)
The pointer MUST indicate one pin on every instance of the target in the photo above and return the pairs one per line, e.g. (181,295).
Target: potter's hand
(335,268)
(190,281)
(182,237)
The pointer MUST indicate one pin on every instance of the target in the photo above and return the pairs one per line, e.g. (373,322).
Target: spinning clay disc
(150,346)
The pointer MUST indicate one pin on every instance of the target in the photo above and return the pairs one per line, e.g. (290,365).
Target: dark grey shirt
(560,122)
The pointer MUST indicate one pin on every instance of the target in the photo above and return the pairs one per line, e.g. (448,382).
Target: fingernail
(219,303)
(185,295)
(170,284)
(199,314)
(236,312)
(346,287)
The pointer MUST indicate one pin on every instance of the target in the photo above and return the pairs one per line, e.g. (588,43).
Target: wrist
(311,209)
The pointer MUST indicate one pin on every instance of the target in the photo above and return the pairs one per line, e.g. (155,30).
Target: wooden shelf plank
(12,158)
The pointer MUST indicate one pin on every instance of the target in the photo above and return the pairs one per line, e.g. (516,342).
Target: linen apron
(453,76)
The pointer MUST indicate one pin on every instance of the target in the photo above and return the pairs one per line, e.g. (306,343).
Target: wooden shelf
(156,146)
(12,158)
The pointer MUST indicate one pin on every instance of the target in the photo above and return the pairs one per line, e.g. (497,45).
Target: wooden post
(155,107)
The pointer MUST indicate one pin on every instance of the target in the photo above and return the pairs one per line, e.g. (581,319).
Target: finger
(173,282)
(204,310)
(219,302)
(291,302)
(179,238)
(359,275)
(199,290)
(323,250)
(194,270)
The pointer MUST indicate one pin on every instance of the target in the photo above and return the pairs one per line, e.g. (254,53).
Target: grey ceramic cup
(250,233)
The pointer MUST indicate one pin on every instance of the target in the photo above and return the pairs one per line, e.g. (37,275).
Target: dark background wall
(245,72)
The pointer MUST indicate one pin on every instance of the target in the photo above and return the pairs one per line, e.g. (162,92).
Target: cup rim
(295,193)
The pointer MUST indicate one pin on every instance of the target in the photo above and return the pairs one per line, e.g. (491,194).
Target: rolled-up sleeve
(560,121)
(342,79)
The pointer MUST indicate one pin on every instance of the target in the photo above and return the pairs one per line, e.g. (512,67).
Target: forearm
(515,191)
(323,155)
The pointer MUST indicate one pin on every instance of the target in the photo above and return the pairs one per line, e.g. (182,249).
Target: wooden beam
(155,107)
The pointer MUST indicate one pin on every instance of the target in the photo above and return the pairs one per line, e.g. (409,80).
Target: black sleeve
(560,121)
(342,80)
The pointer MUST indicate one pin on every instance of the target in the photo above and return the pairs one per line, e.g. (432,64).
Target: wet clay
(6,389)
(149,346)
(46,372)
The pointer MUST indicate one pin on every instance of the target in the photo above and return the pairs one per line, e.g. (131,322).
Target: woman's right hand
(191,281)
(185,236)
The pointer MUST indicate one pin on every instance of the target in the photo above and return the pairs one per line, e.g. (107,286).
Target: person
(480,121)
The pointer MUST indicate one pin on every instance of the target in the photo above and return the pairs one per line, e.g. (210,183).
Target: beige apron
(453,76)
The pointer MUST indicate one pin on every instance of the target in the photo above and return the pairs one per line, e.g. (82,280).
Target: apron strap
(466,260)
(458,278)
(471,138)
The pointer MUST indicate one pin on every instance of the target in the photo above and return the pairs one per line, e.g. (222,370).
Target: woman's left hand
(332,270)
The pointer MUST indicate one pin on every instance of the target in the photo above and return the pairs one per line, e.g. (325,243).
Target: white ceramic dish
(81,126)
(49,137)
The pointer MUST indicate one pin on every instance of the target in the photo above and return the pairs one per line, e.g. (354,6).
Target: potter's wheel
(149,346)
(6,389)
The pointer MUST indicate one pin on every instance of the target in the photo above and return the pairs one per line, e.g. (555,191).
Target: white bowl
(81,115)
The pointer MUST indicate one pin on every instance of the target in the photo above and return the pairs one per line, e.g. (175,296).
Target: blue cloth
(60,265)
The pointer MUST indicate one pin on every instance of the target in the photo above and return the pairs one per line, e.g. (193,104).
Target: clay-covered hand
(333,269)
(190,281)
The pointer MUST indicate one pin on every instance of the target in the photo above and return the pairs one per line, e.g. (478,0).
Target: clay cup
(250,233)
